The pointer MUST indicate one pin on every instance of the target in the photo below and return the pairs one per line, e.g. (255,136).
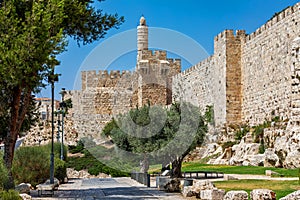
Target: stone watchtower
(155,71)
(142,38)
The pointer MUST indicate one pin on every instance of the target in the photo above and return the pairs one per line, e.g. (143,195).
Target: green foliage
(32,34)
(60,170)
(57,150)
(3,173)
(228,144)
(165,135)
(31,165)
(94,166)
(261,149)
(241,132)
(10,195)
(209,115)
(78,148)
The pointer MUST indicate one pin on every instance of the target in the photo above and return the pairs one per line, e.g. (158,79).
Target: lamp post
(51,79)
(58,125)
(63,106)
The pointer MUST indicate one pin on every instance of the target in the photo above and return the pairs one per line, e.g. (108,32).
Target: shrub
(78,148)
(3,172)
(31,165)
(228,144)
(262,149)
(10,195)
(241,132)
(60,170)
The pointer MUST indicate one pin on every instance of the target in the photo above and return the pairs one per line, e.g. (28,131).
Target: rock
(256,160)
(270,173)
(56,182)
(262,194)
(161,182)
(24,188)
(229,177)
(173,185)
(236,195)
(213,194)
(71,173)
(245,152)
(188,191)
(199,185)
(25,196)
(292,159)
(293,196)
(271,159)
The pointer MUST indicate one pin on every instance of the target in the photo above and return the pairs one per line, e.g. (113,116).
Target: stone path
(107,189)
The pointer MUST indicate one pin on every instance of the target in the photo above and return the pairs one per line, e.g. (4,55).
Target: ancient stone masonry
(248,79)
(106,94)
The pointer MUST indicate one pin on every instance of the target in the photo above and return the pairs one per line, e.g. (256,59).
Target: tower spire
(142,38)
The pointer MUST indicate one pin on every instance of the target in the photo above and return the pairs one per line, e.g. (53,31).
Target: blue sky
(197,19)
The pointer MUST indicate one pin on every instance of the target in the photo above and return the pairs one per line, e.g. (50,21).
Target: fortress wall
(266,67)
(215,81)
(204,84)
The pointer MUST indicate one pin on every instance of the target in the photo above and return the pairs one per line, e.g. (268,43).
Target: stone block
(236,195)
(188,191)
(173,185)
(161,182)
(23,188)
(202,185)
(213,194)
(293,196)
(262,194)
(25,197)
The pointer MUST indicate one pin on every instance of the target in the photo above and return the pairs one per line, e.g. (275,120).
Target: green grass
(226,169)
(281,188)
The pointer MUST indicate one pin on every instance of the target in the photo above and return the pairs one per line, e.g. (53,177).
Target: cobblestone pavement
(106,189)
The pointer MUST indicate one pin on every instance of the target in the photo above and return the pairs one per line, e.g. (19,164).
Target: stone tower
(154,71)
(142,38)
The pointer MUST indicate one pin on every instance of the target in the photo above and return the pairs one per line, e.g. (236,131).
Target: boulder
(56,182)
(199,185)
(293,196)
(188,191)
(24,188)
(236,195)
(292,159)
(262,194)
(213,194)
(271,159)
(25,196)
(162,181)
(173,185)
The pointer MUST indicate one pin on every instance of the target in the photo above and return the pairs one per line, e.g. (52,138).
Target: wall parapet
(204,62)
(274,20)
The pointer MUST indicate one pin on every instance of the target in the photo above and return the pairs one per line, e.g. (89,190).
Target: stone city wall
(248,79)
(266,68)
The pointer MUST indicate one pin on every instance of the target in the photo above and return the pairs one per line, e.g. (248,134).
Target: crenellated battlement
(278,17)
(103,78)
(196,67)
(156,54)
(226,34)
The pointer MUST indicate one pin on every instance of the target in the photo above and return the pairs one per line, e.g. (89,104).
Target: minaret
(142,38)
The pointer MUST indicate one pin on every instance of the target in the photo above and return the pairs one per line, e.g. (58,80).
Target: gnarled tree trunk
(176,168)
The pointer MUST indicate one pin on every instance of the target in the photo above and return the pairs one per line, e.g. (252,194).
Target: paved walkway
(123,189)
(107,189)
